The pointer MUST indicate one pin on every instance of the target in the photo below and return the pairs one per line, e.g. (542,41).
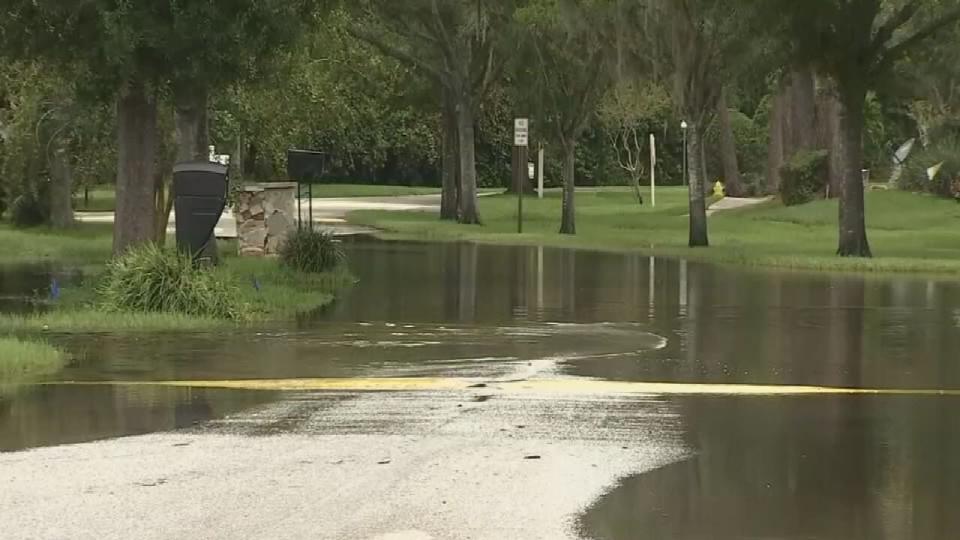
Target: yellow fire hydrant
(718,190)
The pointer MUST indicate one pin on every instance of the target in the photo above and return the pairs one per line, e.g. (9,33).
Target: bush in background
(914,177)
(312,251)
(803,177)
(31,206)
(150,280)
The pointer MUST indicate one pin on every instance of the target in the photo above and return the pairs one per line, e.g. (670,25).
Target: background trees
(424,92)
(856,43)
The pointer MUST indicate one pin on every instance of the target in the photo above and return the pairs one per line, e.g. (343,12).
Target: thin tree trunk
(136,157)
(164,205)
(568,224)
(193,141)
(61,190)
(451,160)
(829,138)
(775,148)
(698,203)
(853,229)
(728,150)
(469,213)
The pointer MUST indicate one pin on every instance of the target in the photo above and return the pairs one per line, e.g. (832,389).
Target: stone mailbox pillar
(266,214)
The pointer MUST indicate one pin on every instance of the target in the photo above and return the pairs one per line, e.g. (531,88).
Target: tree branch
(895,52)
(395,52)
(898,19)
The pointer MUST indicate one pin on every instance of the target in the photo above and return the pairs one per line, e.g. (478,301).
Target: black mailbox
(200,191)
(305,166)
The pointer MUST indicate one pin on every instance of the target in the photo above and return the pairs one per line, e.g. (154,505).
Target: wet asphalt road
(477,464)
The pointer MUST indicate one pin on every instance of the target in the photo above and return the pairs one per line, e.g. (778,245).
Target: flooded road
(717,465)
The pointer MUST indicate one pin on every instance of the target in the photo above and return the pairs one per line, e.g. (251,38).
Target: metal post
(683,126)
(521,138)
(540,171)
(310,204)
(299,206)
(653,170)
(521,178)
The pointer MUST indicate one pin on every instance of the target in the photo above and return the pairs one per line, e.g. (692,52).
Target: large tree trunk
(568,223)
(451,160)
(61,190)
(698,203)
(136,157)
(193,141)
(469,214)
(775,148)
(853,229)
(803,111)
(728,150)
(191,122)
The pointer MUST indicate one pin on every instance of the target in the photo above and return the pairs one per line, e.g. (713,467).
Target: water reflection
(833,468)
(46,415)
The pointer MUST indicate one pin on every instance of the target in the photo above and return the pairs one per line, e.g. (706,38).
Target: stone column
(266,215)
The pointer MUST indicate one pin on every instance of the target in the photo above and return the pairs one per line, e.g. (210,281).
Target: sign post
(653,170)
(521,142)
(540,171)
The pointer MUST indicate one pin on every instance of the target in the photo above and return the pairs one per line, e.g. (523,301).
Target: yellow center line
(549,386)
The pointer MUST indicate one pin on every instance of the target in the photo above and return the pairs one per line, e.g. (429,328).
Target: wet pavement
(512,324)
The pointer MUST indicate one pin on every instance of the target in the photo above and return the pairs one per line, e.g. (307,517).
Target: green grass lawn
(21,361)
(908,232)
(336,191)
(85,243)
(101,199)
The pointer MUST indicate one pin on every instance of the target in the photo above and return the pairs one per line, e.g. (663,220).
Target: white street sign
(521,132)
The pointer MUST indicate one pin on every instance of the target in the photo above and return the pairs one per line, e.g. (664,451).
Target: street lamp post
(684,126)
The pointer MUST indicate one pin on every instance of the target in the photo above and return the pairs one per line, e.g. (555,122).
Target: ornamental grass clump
(149,279)
(312,251)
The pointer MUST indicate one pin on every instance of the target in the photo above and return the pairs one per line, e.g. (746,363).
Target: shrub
(803,177)
(31,207)
(150,280)
(914,176)
(312,251)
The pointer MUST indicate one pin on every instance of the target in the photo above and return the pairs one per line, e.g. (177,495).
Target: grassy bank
(908,232)
(22,360)
(269,293)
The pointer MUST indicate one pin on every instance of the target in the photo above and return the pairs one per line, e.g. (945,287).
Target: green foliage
(945,151)
(803,177)
(149,279)
(31,206)
(41,113)
(374,117)
(752,136)
(21,361)
(312,251)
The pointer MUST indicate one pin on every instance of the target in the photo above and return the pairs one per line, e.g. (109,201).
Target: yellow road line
(554,386)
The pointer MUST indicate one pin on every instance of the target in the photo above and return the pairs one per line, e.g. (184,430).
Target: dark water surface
(832,467)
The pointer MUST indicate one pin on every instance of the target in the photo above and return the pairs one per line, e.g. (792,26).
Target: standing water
(773,466)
